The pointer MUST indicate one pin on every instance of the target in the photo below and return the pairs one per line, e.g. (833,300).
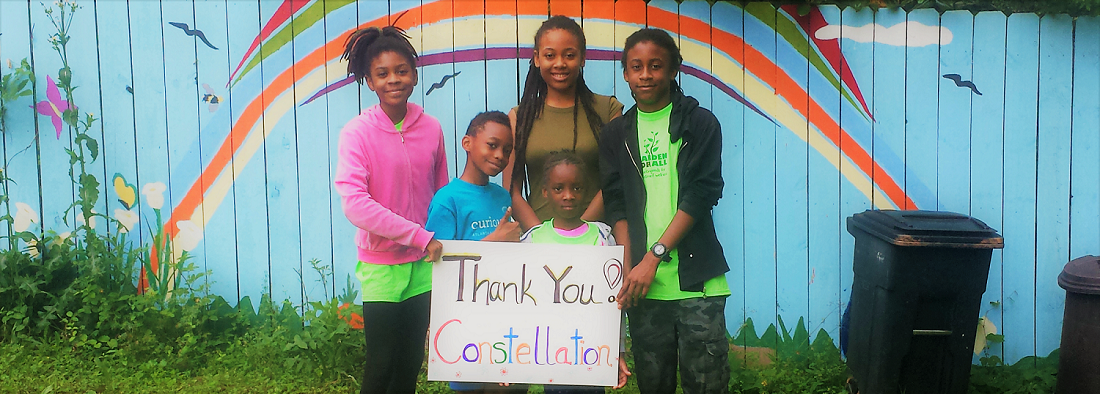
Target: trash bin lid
(1081,276)
(927,228)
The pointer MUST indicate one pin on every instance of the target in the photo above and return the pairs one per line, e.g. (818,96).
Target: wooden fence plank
(1085,170)
(853,200)
(116,117)
(760,162)
(313,150)
(987,149)
(1052,197)
(888,106)
(469,87)
(182,98)
(21,127)
(921,82)
(249,187)
(281,168)
(599,31)
(57,189)
(791,180)
(727,20)
(218,209)
(823,209)
(953,146)
(84,60)
(150,112)
(1021,95)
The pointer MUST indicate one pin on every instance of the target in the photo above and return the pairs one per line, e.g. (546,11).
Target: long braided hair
(534,97)
(364,45)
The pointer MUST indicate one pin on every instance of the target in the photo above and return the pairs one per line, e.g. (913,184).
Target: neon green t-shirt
(658,160)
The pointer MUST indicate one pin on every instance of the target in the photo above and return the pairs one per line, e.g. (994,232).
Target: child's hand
(434,249)
(624,372)
(506,231)
(637,281)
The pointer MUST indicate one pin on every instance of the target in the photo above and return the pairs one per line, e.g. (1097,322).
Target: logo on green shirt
(652,157)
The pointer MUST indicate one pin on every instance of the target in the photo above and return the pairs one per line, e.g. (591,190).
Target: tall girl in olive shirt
(556,112)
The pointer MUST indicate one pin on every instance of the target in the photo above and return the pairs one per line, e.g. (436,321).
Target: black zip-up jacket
(700,170)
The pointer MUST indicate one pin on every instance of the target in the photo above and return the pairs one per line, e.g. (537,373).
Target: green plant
(86,147)
(799,366)
(1029,375)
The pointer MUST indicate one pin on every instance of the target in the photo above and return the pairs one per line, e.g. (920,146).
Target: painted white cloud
(914,34)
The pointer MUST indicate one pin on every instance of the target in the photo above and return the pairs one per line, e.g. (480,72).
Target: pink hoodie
(387,179)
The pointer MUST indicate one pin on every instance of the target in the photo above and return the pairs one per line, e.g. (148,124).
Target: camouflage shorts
(690,333)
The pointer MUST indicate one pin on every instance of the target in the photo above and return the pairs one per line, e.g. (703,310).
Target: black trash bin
(1079,359)
(916,294)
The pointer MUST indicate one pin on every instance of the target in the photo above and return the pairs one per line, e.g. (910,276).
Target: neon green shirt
(658,160)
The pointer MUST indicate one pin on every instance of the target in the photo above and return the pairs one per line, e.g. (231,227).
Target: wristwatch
(661,251)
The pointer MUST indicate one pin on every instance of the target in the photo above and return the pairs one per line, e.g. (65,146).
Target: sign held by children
(525,313)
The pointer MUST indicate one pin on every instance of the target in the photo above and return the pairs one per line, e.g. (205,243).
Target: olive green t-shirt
(658,160)
(553,131)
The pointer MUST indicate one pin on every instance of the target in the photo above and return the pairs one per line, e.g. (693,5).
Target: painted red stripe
(830,49)
(285,11)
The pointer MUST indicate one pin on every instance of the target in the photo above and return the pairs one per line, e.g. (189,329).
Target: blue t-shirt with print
(464,211)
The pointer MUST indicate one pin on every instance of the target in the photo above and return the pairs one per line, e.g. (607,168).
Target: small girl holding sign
(564,180)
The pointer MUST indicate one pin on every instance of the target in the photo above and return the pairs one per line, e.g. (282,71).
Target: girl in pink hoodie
(391,162)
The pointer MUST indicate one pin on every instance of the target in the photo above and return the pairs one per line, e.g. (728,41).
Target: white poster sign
(525,313)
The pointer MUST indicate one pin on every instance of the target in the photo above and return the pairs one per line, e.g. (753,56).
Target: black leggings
(395,344)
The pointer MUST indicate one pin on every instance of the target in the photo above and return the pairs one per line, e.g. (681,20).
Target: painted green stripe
(315,13)
(792,33)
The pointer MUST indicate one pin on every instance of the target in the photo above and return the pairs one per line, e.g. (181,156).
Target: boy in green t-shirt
(661,173)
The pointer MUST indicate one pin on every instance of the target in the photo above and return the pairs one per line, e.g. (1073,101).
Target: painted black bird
(193,32)
(441,83)
(962,84)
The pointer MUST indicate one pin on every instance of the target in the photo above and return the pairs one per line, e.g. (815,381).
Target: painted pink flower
(53,106)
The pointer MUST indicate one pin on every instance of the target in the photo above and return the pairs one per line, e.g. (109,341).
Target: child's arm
(594,212)
(442,219)
(637,282)
(353,172)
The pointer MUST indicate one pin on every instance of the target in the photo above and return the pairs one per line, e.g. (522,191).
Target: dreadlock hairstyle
(534,97)
(478,122)
(364,45)
(562,157)
(660,38)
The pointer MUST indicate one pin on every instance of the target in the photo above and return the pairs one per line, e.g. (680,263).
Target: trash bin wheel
(851,385)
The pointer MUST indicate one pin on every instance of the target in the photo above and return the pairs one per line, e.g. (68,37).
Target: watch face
(659,250)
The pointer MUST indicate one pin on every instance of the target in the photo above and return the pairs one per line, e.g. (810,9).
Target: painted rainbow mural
(735,70)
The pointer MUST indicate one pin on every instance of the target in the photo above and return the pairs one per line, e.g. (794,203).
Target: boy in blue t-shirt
(470,208)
